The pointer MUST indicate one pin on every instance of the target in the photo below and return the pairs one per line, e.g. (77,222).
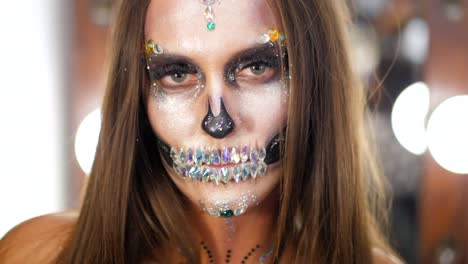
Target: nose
(218,126)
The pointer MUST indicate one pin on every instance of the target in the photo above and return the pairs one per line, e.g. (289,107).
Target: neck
(234,238)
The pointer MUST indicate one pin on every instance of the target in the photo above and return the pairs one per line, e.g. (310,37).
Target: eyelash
(171,69)
(161,71)
(262,62)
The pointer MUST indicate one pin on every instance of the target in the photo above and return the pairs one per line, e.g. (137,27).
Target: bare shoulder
(382,257)
(37,240)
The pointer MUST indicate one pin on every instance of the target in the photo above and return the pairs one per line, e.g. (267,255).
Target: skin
(258,109)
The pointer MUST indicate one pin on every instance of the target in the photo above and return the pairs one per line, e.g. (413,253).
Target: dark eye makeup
(255,65)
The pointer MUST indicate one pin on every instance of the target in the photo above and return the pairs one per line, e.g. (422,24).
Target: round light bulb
(86,140)
(408,117)
(447,134)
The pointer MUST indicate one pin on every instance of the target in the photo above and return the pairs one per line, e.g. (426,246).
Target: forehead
(180,25)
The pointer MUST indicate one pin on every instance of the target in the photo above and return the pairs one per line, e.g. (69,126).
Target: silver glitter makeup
(230,208)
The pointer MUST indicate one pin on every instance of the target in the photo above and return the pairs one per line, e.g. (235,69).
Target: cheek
(265,110)
(172,118)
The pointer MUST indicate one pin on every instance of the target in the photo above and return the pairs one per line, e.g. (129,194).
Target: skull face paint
(213,94)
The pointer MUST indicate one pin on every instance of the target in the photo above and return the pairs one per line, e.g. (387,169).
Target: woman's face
(217,99)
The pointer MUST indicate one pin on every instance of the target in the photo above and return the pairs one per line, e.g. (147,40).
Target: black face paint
(218,126)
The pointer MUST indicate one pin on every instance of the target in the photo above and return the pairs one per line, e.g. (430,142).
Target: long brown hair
(331,193)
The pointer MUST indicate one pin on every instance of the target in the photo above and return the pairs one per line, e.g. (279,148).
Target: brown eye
(258,69)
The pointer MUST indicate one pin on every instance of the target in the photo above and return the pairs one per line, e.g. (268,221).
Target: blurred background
(52,72)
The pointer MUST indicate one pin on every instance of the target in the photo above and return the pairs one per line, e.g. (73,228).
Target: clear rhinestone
(245,171)
(262,168)
(253,155)
(253,169)
(235,157)
(213,212)
(261,153)
(209,13)
(199,157)
(209,2)
(207,158)
(182,156)
(198,173)
(206,174)
(177,168)
(183,172)
(189,158)
(191,172)
(226,155)
(237,173)
(244,153)
(239,211)
(157,49)
(214,176)
(215,159)
(174,155)
(263,39)
(225,174)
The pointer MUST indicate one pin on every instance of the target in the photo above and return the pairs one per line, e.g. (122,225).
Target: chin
(230,197)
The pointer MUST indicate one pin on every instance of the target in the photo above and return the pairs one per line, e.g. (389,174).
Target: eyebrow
(251,54)
(248,53)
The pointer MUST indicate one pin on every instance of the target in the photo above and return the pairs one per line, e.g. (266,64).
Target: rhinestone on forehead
(209,13)
(272,35)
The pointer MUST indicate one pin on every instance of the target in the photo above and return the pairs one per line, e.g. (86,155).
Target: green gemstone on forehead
(211,25)
(226,214)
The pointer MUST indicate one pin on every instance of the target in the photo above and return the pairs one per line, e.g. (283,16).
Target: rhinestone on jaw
(190,163)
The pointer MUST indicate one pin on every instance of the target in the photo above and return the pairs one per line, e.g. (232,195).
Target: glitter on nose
(218,126)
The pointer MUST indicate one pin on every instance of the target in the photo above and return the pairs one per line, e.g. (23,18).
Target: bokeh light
(86,140)
(447,134)
(409,115)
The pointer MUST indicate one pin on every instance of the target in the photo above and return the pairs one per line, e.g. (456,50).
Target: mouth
(220,166)
(232,164)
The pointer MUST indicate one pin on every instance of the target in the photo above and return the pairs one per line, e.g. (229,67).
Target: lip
(222,173)
(220,166)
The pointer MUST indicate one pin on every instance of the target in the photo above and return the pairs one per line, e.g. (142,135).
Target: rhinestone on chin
(239,211)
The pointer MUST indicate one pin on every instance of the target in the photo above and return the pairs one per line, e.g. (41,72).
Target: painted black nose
(218,126)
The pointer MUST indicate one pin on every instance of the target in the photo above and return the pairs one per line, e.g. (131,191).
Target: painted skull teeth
(241,163)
